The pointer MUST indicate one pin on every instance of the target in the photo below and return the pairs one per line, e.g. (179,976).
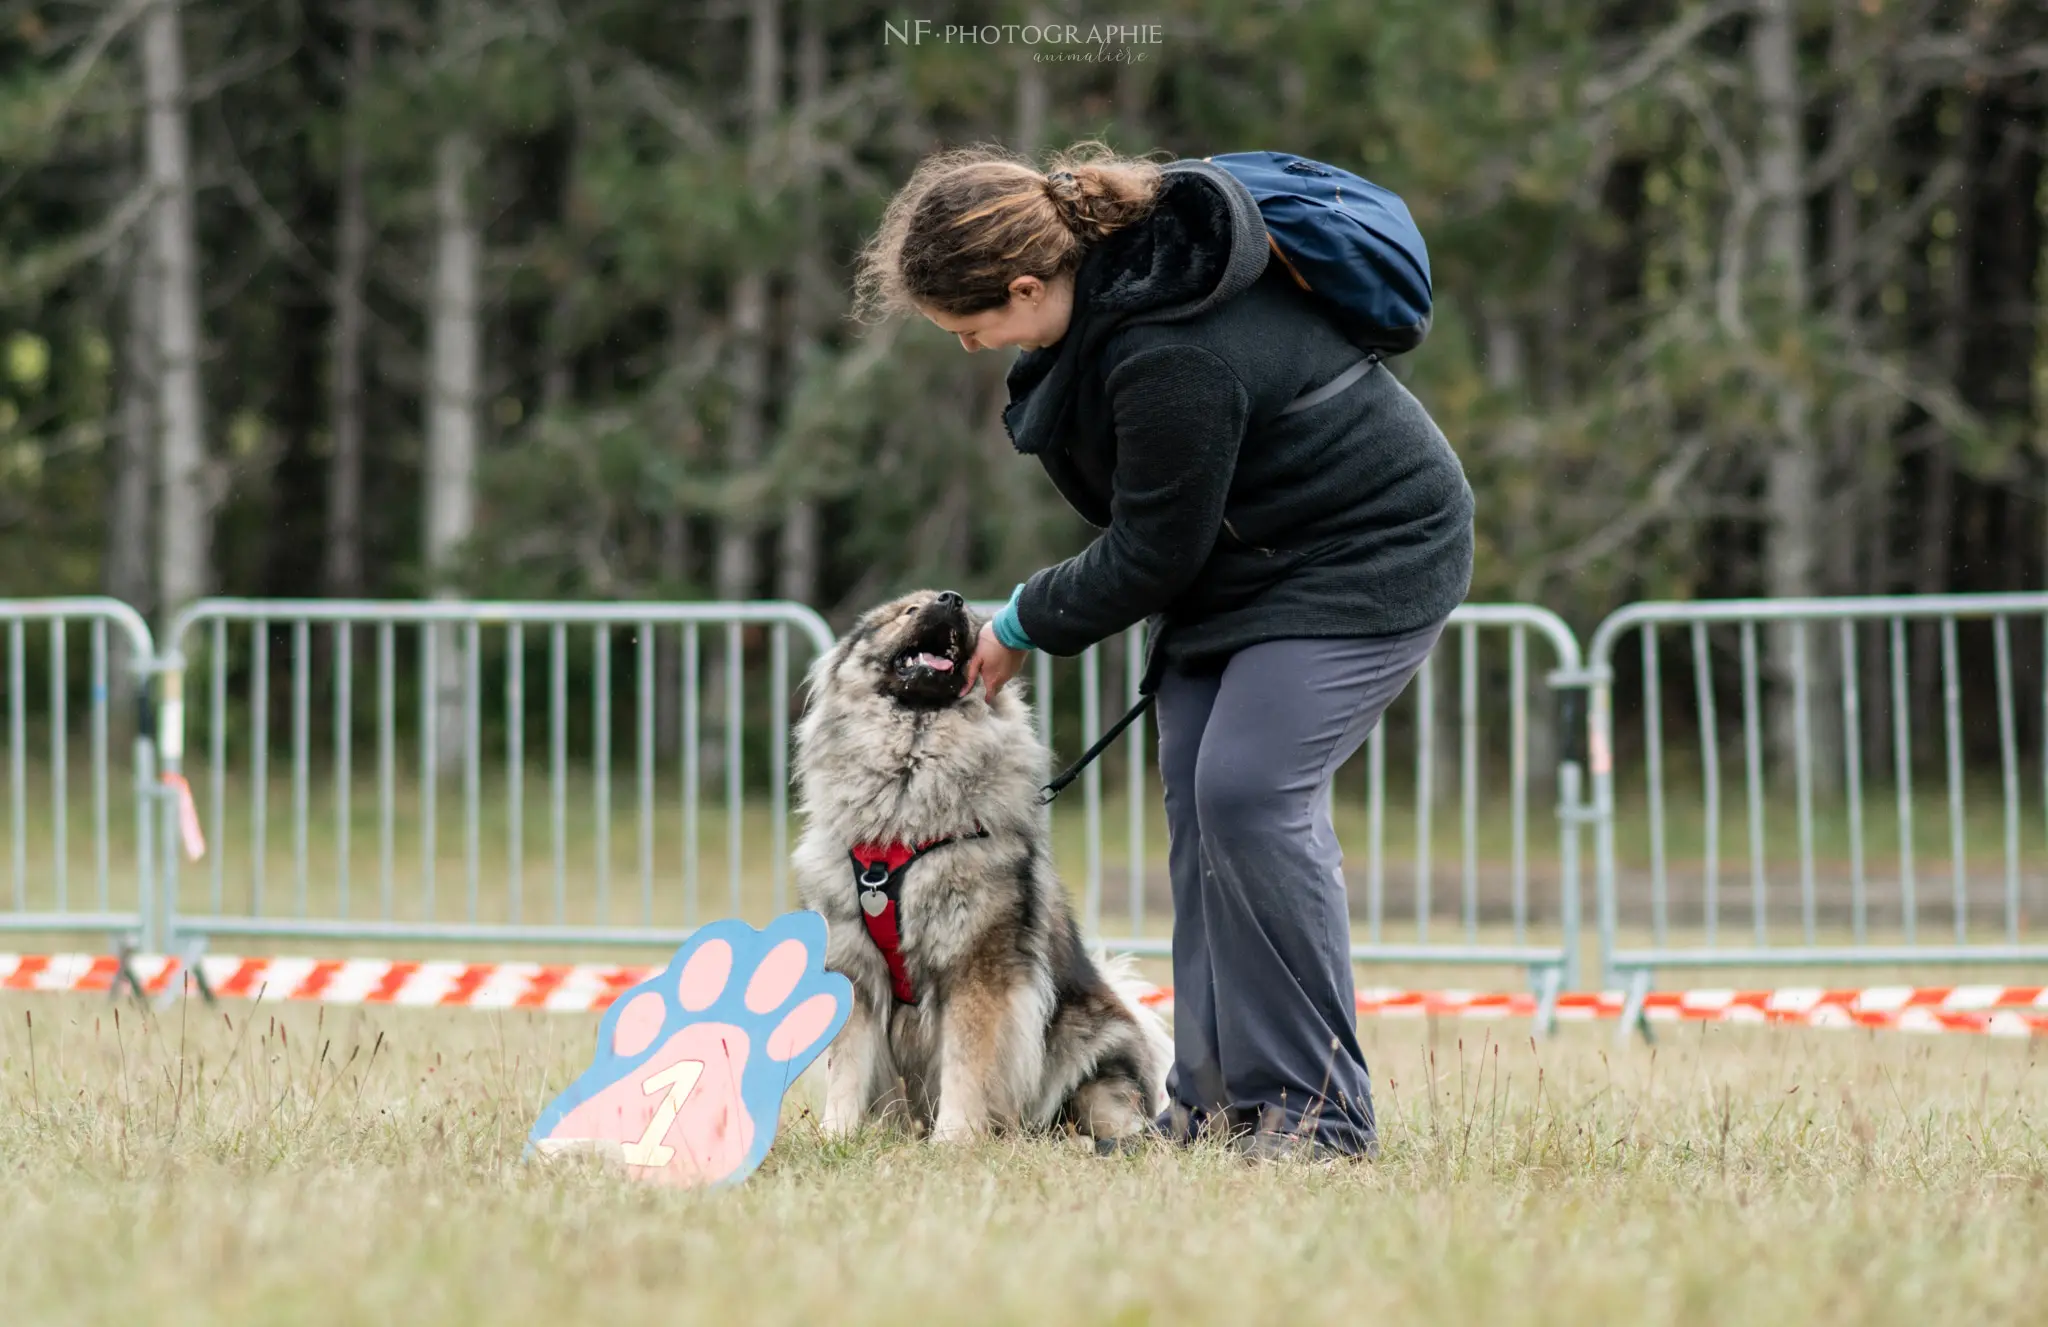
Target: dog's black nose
(948,599)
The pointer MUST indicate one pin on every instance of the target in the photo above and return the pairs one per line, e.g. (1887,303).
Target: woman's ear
(1028,288)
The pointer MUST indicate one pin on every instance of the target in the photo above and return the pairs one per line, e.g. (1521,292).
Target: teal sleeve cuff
(1008,630)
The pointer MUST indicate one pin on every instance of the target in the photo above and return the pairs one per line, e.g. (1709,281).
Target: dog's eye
(910,611)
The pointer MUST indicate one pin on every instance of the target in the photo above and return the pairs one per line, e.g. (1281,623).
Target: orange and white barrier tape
(2004,1011)
(2009,1011)
(2000,1011)
(568,987)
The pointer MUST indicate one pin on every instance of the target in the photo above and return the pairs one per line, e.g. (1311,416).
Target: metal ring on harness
(876,882)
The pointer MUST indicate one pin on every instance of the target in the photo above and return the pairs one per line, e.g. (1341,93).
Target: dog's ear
(818,675)
(863,628)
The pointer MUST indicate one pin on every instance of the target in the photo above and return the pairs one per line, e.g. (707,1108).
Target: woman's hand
(993,664)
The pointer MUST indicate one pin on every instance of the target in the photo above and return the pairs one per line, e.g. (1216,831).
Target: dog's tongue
(938,663)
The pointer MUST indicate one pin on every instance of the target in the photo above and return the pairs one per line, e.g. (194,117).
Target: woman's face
(1035,317)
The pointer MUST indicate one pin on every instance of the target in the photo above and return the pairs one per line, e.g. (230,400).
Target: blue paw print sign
(692,1064)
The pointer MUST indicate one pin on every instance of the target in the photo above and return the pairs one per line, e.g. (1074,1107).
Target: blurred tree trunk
(2038,378)
(127,564)
(1858,552)
(1874,693)
(735,572)
(798,553)
(557,381)
(1873,472)
(1293,90)
(2037,397)
(1507,374)
(185,513)
(674,552)
(673,556)
(1844,225)
(1934,543)
(1792,481)
(1019,513)
(1032,96)
(452,377)
(343,563)
(736,575)
(1133,97)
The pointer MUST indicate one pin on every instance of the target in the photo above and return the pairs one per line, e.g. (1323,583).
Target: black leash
(1073,771)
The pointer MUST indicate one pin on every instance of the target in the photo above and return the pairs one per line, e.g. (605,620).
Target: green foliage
(1607,356)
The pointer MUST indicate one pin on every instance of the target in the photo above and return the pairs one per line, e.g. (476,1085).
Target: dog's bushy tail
(1131,988)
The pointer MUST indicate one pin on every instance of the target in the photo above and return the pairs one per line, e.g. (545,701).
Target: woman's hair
(971,220)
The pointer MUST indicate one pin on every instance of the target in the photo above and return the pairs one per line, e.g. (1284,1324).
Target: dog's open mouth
(928,670)
(941,652)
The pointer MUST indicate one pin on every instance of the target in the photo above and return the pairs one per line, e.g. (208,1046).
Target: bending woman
(1297,564)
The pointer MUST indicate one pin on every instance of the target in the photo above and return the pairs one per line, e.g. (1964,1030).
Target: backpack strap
(1334,387)
(1285,261)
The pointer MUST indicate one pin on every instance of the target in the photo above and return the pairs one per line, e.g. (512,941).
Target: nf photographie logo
(1124,42)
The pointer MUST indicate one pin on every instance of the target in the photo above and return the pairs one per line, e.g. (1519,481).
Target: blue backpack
(1347,241)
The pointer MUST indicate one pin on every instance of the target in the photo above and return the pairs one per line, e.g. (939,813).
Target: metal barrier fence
(380,773)
(467,688)
(1832,709)
(46,892)
(1491,913)
(1826,696)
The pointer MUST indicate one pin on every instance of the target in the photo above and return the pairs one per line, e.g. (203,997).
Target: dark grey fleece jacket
(1157,416)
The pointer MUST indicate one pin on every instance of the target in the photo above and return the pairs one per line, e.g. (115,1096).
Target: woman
(1298,563)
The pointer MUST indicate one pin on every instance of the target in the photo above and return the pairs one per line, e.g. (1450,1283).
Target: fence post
(1594,739)
(1570,686)
(169,667)
(142,667)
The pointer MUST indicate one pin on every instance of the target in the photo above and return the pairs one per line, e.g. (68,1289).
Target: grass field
(308,1166)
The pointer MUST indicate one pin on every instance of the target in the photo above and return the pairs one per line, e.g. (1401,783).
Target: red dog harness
(878,874)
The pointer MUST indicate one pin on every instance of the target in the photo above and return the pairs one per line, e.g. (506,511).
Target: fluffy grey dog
(976,1006)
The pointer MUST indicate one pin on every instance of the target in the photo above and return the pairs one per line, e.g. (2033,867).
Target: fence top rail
(1919,606)
(1793,956)
(1541,620)
(497,612)
(84,606)
(1544,622)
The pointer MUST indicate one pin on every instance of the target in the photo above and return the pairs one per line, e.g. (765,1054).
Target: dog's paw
(692,1064)
(955,1129)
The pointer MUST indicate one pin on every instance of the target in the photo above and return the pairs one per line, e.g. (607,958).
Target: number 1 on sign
(676,1080)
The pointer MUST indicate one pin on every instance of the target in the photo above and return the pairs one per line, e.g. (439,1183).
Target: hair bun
(1064,189)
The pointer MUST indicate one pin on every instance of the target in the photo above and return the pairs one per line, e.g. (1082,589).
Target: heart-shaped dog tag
(872,901)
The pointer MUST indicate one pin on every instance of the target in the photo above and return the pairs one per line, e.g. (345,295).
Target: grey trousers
(1264,1018)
